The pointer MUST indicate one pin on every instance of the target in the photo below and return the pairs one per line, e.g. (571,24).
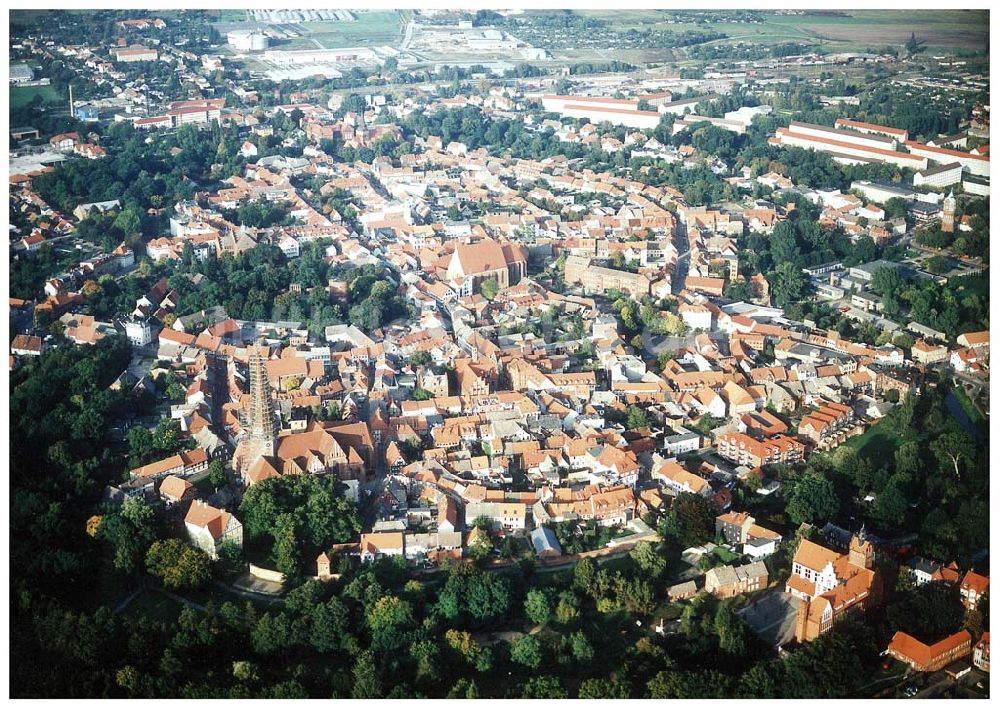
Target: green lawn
(23,95)
(724,555)
(371,28)
(232,15)
(877,439)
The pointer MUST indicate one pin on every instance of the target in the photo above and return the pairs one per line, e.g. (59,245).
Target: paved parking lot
(772,617)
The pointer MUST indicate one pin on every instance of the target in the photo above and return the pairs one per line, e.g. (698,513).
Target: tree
(648,560)
(636,596)
(179,565)
(128,678)
(812,500)
(217,474)
(903,340)
(929,611)
(886,281)
(901,417)
(788,284)
(568,607)
(420,358)
(469,650)
(953,447)
(538,606)
(425,655)
(367,679)
(464,689)
(475,596)
(734,634)
(584,575)
(583,651)
(603,689)
(908,459)
(689,685)
(302,514)
(891,504)
(287,546)
(690,521)
(230,561)
(388,616)
(637,418)
(938,265)
(91,289)
(527,651)
(245,671)
(895,207)
(130,532)
(543,687)
(489,289)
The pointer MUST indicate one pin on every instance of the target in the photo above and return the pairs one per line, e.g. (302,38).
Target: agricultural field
(855,30)
(951,30)
(23,95)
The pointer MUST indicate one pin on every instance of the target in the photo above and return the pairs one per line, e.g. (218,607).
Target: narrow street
(680,241)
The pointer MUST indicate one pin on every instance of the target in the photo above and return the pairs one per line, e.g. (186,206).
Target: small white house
(138,333)
(208,527)
(696,316)
(290,246)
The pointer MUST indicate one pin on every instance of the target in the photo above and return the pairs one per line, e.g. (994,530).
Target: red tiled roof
(924,654)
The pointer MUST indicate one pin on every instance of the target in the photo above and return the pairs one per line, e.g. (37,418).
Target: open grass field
(23,95)
(371,28)
(231,15)
(854,30)
(878,442)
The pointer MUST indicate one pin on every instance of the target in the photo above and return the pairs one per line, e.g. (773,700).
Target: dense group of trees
(973,242)
(923,472)
(259,214)
(255,286)
(959,306)
(63,407)
(554,29)
(146,446)
(300,516)
(29,272)
(923,115)
(143,176)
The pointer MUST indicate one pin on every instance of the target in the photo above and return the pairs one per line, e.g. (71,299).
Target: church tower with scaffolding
(259,424)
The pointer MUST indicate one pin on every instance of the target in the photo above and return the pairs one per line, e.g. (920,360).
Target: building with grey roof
(729,581)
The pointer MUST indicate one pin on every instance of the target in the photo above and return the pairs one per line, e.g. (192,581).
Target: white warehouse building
(940,176)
